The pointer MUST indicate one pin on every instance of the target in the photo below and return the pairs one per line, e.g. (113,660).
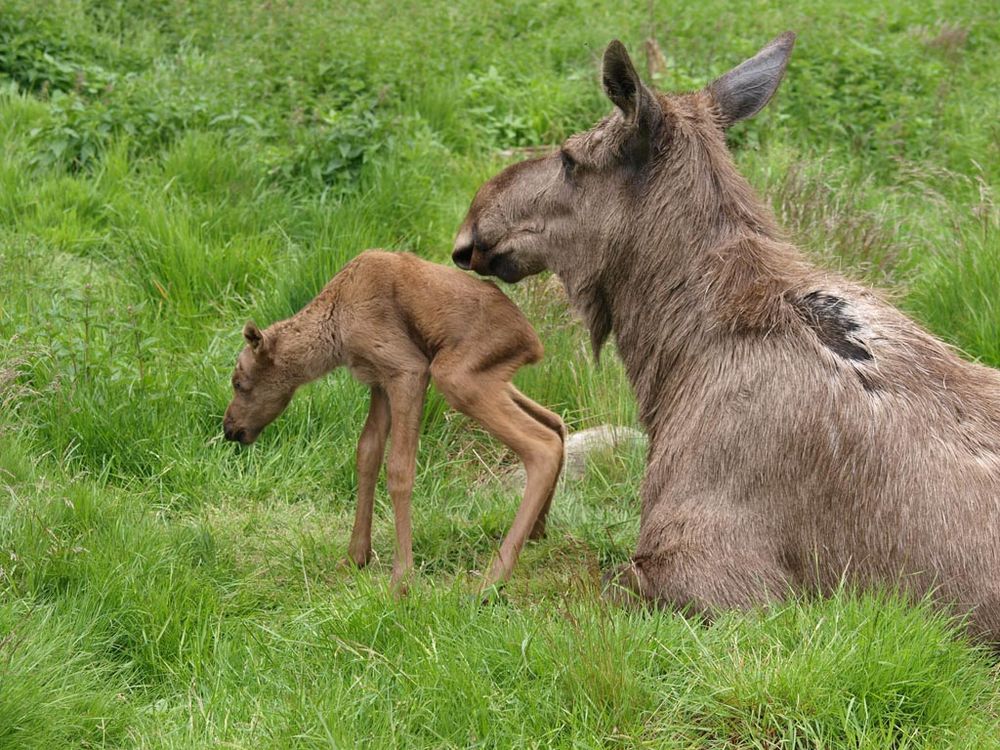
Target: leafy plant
(35,55)
(331,155)
(494,110)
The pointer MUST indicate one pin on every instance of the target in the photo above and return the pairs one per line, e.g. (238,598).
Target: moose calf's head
(261,388)
(649,162)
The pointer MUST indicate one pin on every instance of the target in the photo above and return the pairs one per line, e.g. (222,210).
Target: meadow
(170,169)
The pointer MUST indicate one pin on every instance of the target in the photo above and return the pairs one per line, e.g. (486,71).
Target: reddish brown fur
(803,431)
(396,322)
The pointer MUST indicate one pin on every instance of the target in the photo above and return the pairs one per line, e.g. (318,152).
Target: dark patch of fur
(825,314)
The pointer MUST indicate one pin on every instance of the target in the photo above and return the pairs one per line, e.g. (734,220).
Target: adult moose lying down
(802,430)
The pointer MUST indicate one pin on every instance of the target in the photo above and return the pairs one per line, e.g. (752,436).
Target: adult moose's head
(654,175)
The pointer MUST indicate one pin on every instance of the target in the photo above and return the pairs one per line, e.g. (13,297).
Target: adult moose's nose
(461,256)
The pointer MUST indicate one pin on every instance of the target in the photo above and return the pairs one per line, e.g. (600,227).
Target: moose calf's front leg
(371,450)
(406,398)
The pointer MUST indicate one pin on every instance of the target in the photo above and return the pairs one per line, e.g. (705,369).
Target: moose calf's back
(440,307)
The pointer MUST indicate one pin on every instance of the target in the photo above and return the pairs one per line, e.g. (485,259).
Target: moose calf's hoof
(492,594)
(358,558)
(399,584)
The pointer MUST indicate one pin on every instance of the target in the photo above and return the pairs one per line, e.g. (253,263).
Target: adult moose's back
(802,430)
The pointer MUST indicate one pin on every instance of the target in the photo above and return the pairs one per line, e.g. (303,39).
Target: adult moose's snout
(471,253)
(466,244)
(461,256)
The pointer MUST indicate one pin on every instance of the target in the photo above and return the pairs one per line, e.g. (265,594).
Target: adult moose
(802,430)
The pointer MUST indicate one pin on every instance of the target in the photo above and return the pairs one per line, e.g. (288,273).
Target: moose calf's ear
(253,336)
(621,82)
(744,90)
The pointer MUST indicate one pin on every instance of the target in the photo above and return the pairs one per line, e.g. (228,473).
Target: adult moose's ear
(744,90)
(622,84)
(254,337)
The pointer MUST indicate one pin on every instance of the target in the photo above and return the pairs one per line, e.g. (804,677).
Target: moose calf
(397,321)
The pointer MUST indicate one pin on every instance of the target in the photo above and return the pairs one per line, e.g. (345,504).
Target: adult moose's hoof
(622,586)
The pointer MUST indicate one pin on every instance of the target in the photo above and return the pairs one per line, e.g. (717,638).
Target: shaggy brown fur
(396,322)
(803,431)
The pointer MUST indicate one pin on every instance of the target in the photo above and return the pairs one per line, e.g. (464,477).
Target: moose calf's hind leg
(542,454)
(548,418)
(371,450)
(554,422)
(489,401)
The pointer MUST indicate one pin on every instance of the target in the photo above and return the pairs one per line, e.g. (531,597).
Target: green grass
(168,170)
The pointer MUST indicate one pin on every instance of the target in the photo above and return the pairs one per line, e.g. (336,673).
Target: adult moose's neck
(697,265)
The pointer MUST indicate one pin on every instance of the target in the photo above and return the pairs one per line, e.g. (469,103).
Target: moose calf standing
(396,322)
